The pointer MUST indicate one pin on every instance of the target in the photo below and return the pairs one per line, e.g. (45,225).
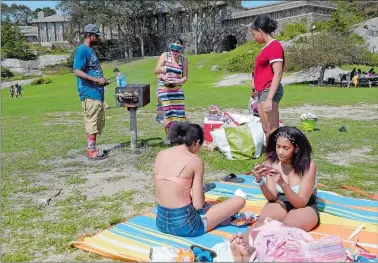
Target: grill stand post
(133,128)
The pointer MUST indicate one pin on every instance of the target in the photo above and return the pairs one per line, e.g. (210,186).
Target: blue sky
(35,4)
(257,3)
(32,4)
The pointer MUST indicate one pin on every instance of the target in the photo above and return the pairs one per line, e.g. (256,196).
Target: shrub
(374,59)
(292,30)
(40,81)
(59,69)
(6,73)
(357,39)
(70,60)
(242,58)
(13,42)
(55,49)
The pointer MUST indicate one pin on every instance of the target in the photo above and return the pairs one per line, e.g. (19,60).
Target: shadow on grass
(150,142)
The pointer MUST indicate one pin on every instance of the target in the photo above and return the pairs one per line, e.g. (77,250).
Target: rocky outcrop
(298,77)
(33,66)
(369,31)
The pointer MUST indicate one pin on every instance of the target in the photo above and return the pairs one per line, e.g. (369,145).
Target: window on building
(165,24)
(274,15)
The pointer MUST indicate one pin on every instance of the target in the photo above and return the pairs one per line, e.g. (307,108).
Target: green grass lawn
(46,125)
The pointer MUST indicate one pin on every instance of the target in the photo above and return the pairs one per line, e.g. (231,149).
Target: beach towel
(131,240)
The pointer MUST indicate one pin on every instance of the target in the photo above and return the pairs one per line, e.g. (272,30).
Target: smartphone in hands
(110,80)
(268,168)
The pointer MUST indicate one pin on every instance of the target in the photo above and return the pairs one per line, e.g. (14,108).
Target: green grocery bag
(241,142)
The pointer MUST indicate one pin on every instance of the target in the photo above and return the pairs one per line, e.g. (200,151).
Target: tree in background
(325,50)
(348,13)
(16,14)
(132,19)
(46,10)
(13,42)
(367,9)
(204,19)
(21,14)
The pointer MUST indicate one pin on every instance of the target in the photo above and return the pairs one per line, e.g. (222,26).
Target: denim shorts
(312,202)
(184,221)
(262,95)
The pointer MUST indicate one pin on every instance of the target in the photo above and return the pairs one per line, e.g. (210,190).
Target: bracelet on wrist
(261,182)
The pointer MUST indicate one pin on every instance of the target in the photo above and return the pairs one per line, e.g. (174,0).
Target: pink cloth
(275,241)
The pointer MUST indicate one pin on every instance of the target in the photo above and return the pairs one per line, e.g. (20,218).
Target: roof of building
(282,5)
(53,18)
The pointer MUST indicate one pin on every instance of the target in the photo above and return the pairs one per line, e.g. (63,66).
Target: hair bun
(272,25)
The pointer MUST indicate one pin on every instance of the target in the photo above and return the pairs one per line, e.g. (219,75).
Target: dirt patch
(296,77)
(359,112)
(98,174)
(355,112)
(234,79)
(62,122)
(64,114)
(344,158)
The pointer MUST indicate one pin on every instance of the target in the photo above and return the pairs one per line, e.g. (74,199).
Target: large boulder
(373,44)
(367,29)
(33,66)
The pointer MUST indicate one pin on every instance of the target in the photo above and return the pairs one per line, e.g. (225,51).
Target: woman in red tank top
(268,71)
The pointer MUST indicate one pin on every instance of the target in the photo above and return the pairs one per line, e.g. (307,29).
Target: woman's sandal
(233,179)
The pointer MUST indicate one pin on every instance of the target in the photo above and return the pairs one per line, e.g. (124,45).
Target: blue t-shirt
(86,60)
(121,81)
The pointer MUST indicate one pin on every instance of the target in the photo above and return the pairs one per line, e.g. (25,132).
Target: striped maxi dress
(171,100)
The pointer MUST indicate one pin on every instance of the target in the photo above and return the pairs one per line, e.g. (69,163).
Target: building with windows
(51,28)
(284,12)
(47,29)
(162,27)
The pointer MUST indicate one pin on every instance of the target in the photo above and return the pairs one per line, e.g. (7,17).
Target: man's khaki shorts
(94,116)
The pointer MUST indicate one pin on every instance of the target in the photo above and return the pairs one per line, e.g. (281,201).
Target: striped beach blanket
(131,240)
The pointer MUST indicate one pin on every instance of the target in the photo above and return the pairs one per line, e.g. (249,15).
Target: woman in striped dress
(172,68)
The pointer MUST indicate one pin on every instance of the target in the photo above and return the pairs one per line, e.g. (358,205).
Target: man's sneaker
(97,154)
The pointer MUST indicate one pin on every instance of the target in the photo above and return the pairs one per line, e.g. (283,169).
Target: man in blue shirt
(121,80)
(90,85)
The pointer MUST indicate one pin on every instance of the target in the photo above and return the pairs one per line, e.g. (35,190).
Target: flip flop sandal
(233,179)
(202,253)
(208,187)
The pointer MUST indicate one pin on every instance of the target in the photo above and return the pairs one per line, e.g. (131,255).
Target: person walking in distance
(11,91)
(90,85)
